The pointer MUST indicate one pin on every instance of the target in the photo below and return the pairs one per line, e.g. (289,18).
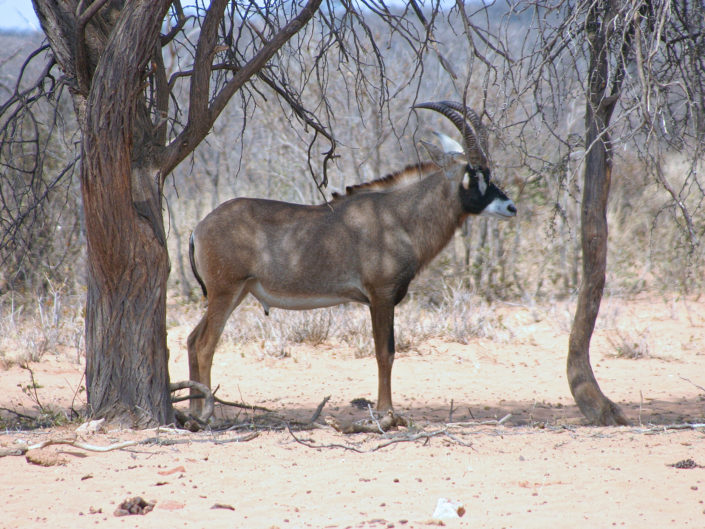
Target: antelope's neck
(437,215)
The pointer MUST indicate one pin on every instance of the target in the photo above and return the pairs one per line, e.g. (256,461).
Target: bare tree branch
(81,61)
(203,113)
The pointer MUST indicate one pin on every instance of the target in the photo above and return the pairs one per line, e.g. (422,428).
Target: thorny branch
(445,63)
(205,393)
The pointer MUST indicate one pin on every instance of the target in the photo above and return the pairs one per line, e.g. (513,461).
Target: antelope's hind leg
(204,338)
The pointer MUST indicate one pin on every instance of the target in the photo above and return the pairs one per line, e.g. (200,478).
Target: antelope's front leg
(383,333)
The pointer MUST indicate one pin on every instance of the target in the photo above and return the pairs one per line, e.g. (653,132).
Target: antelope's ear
(443,159)
(448,144)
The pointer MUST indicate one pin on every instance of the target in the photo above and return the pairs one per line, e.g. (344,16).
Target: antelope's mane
(409,175)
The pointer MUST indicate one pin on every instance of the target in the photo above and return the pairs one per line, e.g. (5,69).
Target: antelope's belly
(296,300)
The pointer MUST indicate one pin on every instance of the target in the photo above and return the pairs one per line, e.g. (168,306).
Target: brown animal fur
(409,175)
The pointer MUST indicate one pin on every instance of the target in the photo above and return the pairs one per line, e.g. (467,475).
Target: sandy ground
(540,467)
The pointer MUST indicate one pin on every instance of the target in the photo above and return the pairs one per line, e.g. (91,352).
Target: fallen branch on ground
(24,448)
(242,405)
(208,404)
(373,425)
(491,422)
(319,409)
(665,427)
(18,414)
(277,422)
(399,438)
(691,382)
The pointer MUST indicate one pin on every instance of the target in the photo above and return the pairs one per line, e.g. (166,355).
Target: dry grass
(32,327)
(434,309)
(630,344)
(450,313)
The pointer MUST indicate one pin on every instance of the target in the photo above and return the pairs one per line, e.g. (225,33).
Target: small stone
(448,509)
(44,458)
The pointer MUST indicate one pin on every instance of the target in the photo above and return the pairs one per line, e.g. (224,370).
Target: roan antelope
(364,246)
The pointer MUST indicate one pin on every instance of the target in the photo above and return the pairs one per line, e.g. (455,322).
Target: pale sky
(17,15)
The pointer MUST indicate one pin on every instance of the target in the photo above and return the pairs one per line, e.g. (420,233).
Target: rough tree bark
(596,186)
(127,274)
(106,52)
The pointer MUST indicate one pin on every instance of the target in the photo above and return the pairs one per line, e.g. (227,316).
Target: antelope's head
(478,194)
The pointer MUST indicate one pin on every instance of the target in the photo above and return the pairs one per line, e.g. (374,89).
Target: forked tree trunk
(128,265)
(598,171)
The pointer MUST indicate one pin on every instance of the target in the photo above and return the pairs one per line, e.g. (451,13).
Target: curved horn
(474,132)
(475,121)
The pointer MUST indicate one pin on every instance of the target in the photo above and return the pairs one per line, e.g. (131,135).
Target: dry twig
(491,422)
(399,438)
(693,383)
(666,427)
(22,449)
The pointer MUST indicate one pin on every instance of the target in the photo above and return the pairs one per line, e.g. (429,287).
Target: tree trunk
(598,170)
(583,385)
(120,97)
(126,355)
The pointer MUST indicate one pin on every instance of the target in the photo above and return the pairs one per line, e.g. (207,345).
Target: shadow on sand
(510,413)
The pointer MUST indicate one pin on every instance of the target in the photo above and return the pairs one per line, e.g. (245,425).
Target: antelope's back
(344,246)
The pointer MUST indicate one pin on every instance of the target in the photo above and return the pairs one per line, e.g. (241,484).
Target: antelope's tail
(193,266)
